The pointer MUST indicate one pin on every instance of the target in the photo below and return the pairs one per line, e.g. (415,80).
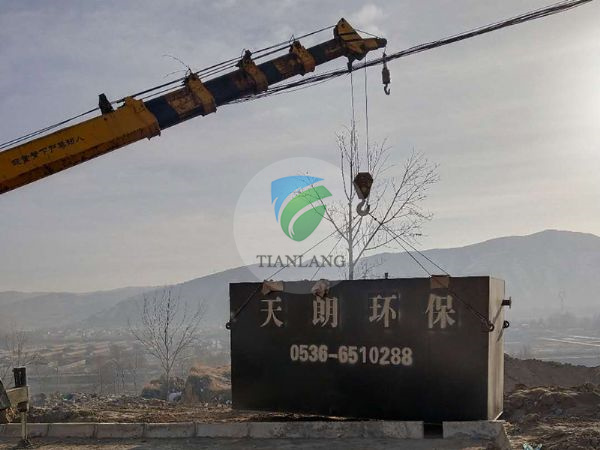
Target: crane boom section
(75,144)
(136,119)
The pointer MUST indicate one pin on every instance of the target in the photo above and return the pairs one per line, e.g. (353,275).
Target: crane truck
(136,119)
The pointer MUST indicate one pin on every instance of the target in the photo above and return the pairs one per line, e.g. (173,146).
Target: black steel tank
(402,349)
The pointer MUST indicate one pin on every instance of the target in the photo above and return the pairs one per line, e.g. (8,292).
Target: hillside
(538,269)
(8,297)
(542,271)
(57,309)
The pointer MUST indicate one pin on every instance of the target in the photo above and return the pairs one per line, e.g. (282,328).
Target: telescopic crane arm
(137,119)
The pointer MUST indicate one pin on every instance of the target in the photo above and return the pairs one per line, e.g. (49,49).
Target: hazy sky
(512,119)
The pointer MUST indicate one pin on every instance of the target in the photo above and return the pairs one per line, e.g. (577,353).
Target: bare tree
(396,202)
(135,362)
(17,351)
(118,360)
(102,368)
(167,327)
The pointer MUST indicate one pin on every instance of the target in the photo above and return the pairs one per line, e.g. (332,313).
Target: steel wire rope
(402,242)
(328,254)
(243,305)
(366,113)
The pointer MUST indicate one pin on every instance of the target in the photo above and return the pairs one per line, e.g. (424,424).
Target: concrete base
(169,430)
(13,430)
(71,430)
(119,430)
(489,431)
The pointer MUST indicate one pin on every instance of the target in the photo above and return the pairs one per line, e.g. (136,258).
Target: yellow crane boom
(136,119)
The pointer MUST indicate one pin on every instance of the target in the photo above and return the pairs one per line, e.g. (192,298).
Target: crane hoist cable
(366,110)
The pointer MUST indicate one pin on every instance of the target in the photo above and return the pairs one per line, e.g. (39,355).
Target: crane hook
(385,76)
(362,209)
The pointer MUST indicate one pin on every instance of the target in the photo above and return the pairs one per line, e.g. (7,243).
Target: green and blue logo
(300,217)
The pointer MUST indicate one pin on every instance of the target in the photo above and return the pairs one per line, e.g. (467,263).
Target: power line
(231,63)
(206,72)
(526,17)
(516,20)
(44,130)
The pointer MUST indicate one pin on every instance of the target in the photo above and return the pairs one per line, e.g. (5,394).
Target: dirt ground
(533,372)
(130,409)
(559,418)
(557,405)
(557,434)
(247,444)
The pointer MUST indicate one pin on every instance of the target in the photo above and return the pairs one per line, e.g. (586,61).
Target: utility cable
(516,20)
(207,71)
(43,130)
(231,63)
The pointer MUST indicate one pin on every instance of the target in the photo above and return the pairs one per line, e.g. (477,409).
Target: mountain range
(544,272)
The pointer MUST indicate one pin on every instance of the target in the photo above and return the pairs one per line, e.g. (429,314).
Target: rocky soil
(556,405)
(559,418)
(207,384)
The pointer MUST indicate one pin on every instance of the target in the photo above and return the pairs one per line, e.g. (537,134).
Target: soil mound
(553,404)
(528,405)
(207,385)
(533,372)
(157,389)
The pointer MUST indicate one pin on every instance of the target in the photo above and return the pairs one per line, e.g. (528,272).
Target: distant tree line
(565,320)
